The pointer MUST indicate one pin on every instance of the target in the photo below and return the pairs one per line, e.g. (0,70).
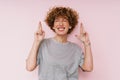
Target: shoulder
(75,45)
(77,48)
(45,40)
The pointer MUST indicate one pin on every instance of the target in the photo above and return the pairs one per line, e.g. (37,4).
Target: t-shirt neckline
(59,42)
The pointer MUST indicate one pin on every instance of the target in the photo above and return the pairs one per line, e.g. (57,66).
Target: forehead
(64,17)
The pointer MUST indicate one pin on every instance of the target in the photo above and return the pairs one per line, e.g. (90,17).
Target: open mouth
(61,28)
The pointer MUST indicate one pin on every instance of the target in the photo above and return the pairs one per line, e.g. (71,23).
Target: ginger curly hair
(66,12)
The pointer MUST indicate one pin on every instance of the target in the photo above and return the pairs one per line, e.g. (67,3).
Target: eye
(56,20)
(65,20)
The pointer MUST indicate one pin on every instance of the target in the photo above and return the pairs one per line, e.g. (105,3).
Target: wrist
(36,42)
(88,43)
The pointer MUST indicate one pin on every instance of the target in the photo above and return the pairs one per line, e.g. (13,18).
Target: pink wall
(18,22)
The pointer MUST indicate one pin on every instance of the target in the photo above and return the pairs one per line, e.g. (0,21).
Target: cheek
(67,25)
(55,24)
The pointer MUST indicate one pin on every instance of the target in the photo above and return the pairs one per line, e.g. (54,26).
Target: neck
(62,39)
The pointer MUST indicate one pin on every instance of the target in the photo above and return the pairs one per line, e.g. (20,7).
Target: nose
(60,23)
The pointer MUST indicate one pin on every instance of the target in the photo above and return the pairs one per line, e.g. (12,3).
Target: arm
(31,61)
(88,59)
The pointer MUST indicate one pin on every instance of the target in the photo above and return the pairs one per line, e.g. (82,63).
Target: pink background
(19,20)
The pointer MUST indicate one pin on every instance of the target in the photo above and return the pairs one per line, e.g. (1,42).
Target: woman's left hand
(83,36)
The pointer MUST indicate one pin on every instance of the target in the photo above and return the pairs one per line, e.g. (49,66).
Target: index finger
(40,26)
(81,28)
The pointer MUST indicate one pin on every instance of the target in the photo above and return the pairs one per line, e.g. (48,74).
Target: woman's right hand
(39,34)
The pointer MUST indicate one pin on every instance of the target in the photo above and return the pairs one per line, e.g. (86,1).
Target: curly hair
(70,14)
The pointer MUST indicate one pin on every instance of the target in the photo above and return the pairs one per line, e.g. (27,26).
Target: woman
(58,58)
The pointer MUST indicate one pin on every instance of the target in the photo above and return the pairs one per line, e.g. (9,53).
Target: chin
(61,34)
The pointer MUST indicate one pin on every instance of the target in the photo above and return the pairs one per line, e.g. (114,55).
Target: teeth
(61,28)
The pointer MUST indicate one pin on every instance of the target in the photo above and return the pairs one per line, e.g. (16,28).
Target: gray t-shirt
(59,61)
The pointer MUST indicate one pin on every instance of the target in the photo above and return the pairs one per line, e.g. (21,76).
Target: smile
(61,28)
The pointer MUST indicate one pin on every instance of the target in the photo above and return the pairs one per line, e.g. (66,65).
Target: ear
(70,27)
(53,27)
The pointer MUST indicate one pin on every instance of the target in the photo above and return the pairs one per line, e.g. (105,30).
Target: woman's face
(61,26)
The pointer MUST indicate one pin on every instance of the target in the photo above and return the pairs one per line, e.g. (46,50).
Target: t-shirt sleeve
(81,59)
(38,56)
(80,56)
